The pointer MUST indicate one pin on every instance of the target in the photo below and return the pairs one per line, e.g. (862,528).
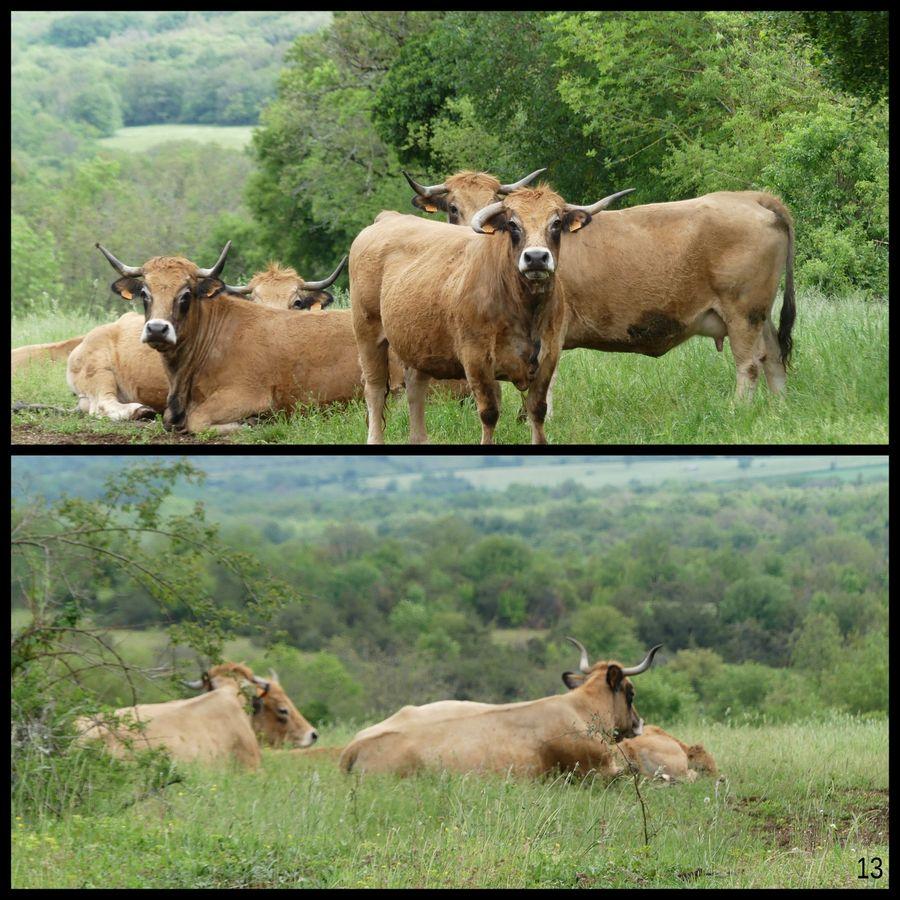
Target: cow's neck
(188,359)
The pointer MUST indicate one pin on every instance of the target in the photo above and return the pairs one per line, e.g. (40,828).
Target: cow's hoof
(144,413)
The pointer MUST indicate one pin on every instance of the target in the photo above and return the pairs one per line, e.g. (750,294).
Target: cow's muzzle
(536,263)
(159,334)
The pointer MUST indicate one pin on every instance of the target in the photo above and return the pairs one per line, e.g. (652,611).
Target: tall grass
(800,804)
(837,393)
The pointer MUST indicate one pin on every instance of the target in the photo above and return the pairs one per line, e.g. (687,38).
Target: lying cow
(227,358)
(22,356)
(275,719)
(655,753)
(210,728)
(655,275)
(451,303)
(564,732)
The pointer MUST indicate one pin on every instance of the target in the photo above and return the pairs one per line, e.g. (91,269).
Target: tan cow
(463,194)
(275,719)
(22,356)
(564,732)
(210,728)
(655,275)
(116,376)
(227,358)
(485,305)
(655,753)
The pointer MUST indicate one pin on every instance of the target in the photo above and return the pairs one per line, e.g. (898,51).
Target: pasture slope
(800,805)
(837,394)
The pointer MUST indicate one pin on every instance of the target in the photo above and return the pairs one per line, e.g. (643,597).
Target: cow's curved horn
(119,266)
(585,663)
(644,664)
(273,675)
(484,214)
(601,204)
(217,268)
(193,685)
(509,188)
(325,282)
(238,288)
(425,190)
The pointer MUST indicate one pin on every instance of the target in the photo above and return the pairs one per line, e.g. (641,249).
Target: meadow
(799,806)
(837,394)
(139,138)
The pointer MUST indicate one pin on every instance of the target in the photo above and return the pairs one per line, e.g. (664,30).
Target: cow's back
(640,279)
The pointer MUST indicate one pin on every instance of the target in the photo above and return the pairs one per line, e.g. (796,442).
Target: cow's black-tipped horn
(425,190)
(119,266)
(238,288)
(644,664)
(217,268)
(584,663)
(509,188)
(484,214)
(601,204)
(193,685)
(325,282)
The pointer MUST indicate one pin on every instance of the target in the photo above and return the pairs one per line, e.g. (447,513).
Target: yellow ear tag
(488,229)
(430,208)
(126,294)
(210,292)
(575,224)
(316,306)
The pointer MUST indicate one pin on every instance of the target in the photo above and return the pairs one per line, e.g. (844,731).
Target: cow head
(171,289)
(463,194)
(273,716)
(534,221)
(608,682)
(281,287)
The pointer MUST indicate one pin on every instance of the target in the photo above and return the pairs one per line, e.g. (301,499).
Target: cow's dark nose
(157,329)
(314,736)
(536,259)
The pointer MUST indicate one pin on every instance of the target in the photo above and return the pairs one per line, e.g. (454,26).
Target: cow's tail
(788,306)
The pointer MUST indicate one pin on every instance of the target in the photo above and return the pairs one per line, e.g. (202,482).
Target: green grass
(143,137)
(837,394)
(799,806)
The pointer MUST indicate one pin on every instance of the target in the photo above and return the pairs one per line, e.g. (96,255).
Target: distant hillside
(102,70)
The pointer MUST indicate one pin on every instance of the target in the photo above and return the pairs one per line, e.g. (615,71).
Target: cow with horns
(567,732)
(227,358)
(484,304)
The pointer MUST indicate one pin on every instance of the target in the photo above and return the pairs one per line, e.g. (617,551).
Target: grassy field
(837,394)
(143,137)
(799,806)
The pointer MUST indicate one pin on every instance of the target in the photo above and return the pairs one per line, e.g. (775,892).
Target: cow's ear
(614,677)
(209,288)
(573,679)
(575,219)
(430,204)
(127,288)
(497,222)
(313,300)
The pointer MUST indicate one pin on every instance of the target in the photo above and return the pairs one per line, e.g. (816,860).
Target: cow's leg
(538,393)
(416,391)
(98,395)
(486,390)
(746,342)
(776,377)
(373,359)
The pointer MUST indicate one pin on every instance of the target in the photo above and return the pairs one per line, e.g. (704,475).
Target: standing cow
(652,276)
(451,303)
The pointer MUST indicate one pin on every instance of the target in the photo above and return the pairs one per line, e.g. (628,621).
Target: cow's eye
(555,226)
(145,295)
(454,210)
(282,712)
